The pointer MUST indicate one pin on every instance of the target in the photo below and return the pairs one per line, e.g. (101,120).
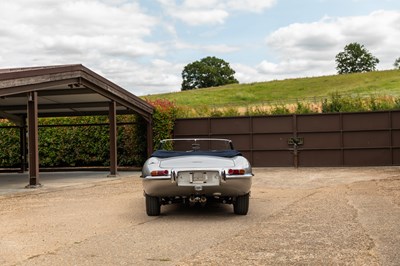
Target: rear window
(195,145)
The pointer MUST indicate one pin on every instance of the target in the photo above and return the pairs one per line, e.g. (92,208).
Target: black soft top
(218,153)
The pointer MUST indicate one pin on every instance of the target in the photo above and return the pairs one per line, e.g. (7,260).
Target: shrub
(256,111)
(303,108)
(138,136)
(338,103)
(382,103)
(280,110)
(397,103)
(164,116)
(216,112)
(9,145)
(231,111)
(334,106)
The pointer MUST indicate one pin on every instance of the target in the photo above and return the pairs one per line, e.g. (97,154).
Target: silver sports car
(196,171)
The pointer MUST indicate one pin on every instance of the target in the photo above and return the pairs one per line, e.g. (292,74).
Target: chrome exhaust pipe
(196,199)
(203,199)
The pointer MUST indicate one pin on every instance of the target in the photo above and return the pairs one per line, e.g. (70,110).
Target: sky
(143,45)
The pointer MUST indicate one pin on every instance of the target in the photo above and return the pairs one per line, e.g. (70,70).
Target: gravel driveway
(310,216)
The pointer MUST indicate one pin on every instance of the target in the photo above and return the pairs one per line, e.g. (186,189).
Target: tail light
(159,173)
(236,172)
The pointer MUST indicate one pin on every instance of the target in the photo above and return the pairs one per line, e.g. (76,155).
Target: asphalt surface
(312,216)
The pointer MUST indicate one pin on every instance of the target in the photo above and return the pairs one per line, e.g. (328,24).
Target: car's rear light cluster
(236,172)
(159,173)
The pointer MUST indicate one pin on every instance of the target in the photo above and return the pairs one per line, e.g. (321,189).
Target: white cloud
(200,4)
(195,12)
(247,74)
(216,48)
(310,48)
(108,36)
(76,27)
(292,68)
(220,48)
(256,6)
(158,76)
(200,17)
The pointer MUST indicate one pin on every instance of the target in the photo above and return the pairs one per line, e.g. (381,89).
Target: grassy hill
(315,89)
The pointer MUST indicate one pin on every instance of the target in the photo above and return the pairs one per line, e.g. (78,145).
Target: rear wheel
(153,206)
(241,205)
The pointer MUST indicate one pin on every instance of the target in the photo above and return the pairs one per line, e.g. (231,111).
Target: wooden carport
(67,90)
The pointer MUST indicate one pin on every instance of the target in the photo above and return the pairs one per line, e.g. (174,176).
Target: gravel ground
(307,216)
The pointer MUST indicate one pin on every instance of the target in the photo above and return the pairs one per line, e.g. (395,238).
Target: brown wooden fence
(339,139)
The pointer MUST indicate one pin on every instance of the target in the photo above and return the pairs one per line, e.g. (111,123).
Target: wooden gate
(338,139)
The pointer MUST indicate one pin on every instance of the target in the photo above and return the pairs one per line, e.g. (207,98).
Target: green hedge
(74,146)
(9,145)
(79,145)
(165,113)
(84,141)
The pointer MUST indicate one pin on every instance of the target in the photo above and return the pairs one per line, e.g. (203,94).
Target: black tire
(241,205)
(153,206)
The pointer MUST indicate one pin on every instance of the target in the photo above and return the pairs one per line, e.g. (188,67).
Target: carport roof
(64,90)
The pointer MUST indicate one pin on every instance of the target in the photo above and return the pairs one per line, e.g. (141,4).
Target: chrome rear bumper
(178,184)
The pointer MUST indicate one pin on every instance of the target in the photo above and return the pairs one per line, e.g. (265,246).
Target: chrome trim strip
(238,176)
(149,177)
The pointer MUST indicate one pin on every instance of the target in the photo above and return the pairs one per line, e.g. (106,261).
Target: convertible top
(218,153)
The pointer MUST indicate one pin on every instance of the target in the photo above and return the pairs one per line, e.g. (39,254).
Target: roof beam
(9,87)
(133,104)
(85,113)
(57,106)
(75,91)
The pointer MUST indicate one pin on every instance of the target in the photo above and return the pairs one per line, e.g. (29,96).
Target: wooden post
(22,146)
(33,147)
(112,116)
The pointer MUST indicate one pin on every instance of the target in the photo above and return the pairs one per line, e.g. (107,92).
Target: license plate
(192,178)
(198,177)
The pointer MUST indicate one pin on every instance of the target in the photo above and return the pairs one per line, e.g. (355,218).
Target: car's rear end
(196,176)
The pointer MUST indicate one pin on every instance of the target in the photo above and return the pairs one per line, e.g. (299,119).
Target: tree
(397,63)
(355,58)
(208,72)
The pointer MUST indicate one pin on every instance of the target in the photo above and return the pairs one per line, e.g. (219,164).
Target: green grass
(377,83)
